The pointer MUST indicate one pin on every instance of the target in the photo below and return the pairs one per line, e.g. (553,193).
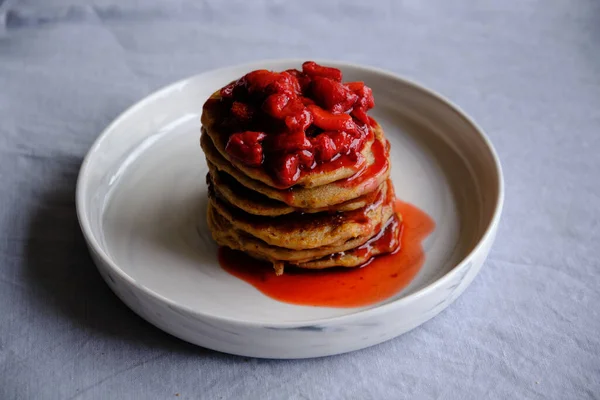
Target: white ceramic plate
(141,201)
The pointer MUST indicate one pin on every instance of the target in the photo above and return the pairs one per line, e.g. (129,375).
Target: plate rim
(372,311)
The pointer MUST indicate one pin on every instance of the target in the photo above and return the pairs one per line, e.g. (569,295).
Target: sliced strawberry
(246,147)
(332,95)
(286,169)
(257,81)
(306,159)
(288,142)
(242,111)
(360,114)
(324,147)
(302,79)
(355,86)
(341,139)
(284,83)
(313,69)
(331,122)
(299,120)
(275,104)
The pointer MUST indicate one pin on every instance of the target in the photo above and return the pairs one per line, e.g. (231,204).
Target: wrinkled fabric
(527,71)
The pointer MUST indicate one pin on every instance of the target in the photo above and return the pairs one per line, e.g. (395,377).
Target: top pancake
(302,197)
(309,180)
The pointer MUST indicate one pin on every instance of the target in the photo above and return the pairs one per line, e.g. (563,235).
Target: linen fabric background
(527,71)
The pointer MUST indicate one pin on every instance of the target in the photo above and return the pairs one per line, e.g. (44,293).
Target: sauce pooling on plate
(380,278)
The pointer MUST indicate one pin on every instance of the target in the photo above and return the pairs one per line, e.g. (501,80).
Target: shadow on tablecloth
(65,280)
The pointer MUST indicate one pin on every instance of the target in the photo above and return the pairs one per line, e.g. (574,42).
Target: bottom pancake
(387,241)
(225,234)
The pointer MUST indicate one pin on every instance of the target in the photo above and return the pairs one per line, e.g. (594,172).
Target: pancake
(256,203)
(309,180)
(362,254)
(301,197)
(225,235)
(300,231)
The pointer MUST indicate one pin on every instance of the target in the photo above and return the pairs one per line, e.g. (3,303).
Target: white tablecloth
(527,71)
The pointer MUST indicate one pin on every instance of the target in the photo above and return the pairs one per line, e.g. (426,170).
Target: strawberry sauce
(379,279)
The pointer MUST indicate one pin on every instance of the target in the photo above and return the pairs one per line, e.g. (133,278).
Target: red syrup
(378,279)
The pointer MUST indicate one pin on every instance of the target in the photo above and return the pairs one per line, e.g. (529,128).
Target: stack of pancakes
(329,218)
